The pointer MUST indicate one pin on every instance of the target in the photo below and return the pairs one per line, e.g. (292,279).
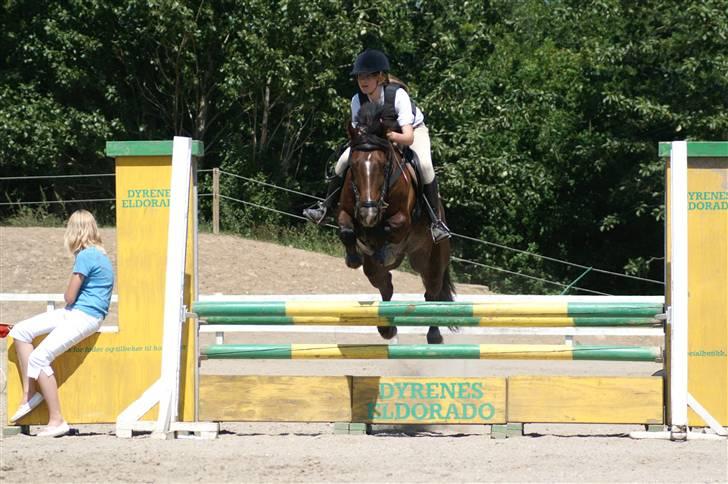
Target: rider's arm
(406,137)
(405,119)
(73,288)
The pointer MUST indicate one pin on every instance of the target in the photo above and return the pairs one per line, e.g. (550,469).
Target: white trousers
(421,147)
(64,328)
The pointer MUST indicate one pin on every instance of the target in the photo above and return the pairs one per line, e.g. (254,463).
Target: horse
(379,219)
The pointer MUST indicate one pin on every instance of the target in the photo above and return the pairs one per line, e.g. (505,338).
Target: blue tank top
(94,297)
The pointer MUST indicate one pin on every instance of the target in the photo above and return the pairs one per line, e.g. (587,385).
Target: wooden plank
(275,398)
(707,273)
(438,400)
(707,278)
(564,399)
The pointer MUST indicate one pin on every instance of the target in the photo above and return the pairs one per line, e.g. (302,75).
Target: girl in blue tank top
(87,298)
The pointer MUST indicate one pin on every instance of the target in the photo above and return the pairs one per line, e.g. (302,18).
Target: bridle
(368,143)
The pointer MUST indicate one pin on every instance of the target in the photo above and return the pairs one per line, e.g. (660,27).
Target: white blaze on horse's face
(368,214)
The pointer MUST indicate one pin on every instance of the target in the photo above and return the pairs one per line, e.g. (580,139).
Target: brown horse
(379,218)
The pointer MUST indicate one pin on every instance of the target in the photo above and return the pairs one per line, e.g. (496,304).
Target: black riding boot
(438,228)
(316,215)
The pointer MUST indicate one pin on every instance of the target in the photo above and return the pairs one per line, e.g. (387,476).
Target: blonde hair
(82,232)
(392,79)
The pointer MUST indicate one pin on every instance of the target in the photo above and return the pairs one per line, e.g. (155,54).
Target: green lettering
(419,415)
(386,391)
(402,410)
(469,415)
(448,390)
(463,390)
(436,410)
(432,390)
(452,409)
(477,390)
(418,390)
(372,410)
(490,411)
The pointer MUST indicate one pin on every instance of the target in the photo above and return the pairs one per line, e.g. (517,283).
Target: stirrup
(316,215)
(439,231)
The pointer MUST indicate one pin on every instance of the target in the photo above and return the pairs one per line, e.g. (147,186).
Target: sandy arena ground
(32,260)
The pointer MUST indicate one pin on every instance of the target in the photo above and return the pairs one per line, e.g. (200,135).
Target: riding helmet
(369,61)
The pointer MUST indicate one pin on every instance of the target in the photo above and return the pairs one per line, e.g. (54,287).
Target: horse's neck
(403,183)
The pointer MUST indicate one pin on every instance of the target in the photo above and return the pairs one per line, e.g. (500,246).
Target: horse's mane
(373,122)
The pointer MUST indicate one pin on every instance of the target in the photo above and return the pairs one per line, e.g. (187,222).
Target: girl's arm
(406,137)
(74,286)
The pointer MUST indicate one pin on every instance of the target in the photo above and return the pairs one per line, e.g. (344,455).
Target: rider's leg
(421,147)
(439,230)
(317,214)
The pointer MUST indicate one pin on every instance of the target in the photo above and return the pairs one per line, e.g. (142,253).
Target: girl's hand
(73,288)
(405,138)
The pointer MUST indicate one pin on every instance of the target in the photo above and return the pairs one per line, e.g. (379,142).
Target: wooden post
(216,200)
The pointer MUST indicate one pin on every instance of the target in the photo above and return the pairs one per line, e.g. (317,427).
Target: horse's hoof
(387,332)
(353,261)
(434,337)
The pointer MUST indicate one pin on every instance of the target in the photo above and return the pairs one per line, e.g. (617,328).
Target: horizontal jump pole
(392,309)
(461,321)
(460,351)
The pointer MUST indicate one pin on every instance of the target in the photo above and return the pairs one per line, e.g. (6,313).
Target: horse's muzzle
(368,216)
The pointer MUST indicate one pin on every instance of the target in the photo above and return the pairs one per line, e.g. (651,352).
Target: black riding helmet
(369,61)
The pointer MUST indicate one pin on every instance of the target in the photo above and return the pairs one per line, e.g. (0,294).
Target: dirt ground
(32,260)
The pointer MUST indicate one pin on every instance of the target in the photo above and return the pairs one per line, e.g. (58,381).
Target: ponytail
(392,79)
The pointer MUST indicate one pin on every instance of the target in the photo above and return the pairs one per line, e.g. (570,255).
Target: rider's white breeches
(421,147)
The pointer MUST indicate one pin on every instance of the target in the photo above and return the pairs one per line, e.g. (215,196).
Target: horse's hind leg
(436,279)
(381,278)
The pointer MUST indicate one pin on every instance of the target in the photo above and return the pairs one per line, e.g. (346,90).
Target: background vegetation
(545,115)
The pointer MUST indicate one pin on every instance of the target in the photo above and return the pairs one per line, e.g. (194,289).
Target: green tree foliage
(545,115)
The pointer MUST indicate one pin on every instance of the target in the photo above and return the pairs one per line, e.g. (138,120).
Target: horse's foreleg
(381,278)
(434,337)
(348,238)
(397,227)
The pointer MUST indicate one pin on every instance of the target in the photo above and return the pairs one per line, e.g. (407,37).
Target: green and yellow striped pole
(398,313)
(459,351)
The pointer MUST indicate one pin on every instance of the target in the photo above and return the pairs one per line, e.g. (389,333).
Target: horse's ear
(350,130)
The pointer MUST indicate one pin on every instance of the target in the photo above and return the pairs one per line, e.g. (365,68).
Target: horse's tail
(447,293)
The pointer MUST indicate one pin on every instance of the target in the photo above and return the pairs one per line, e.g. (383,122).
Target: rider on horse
(370,69)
